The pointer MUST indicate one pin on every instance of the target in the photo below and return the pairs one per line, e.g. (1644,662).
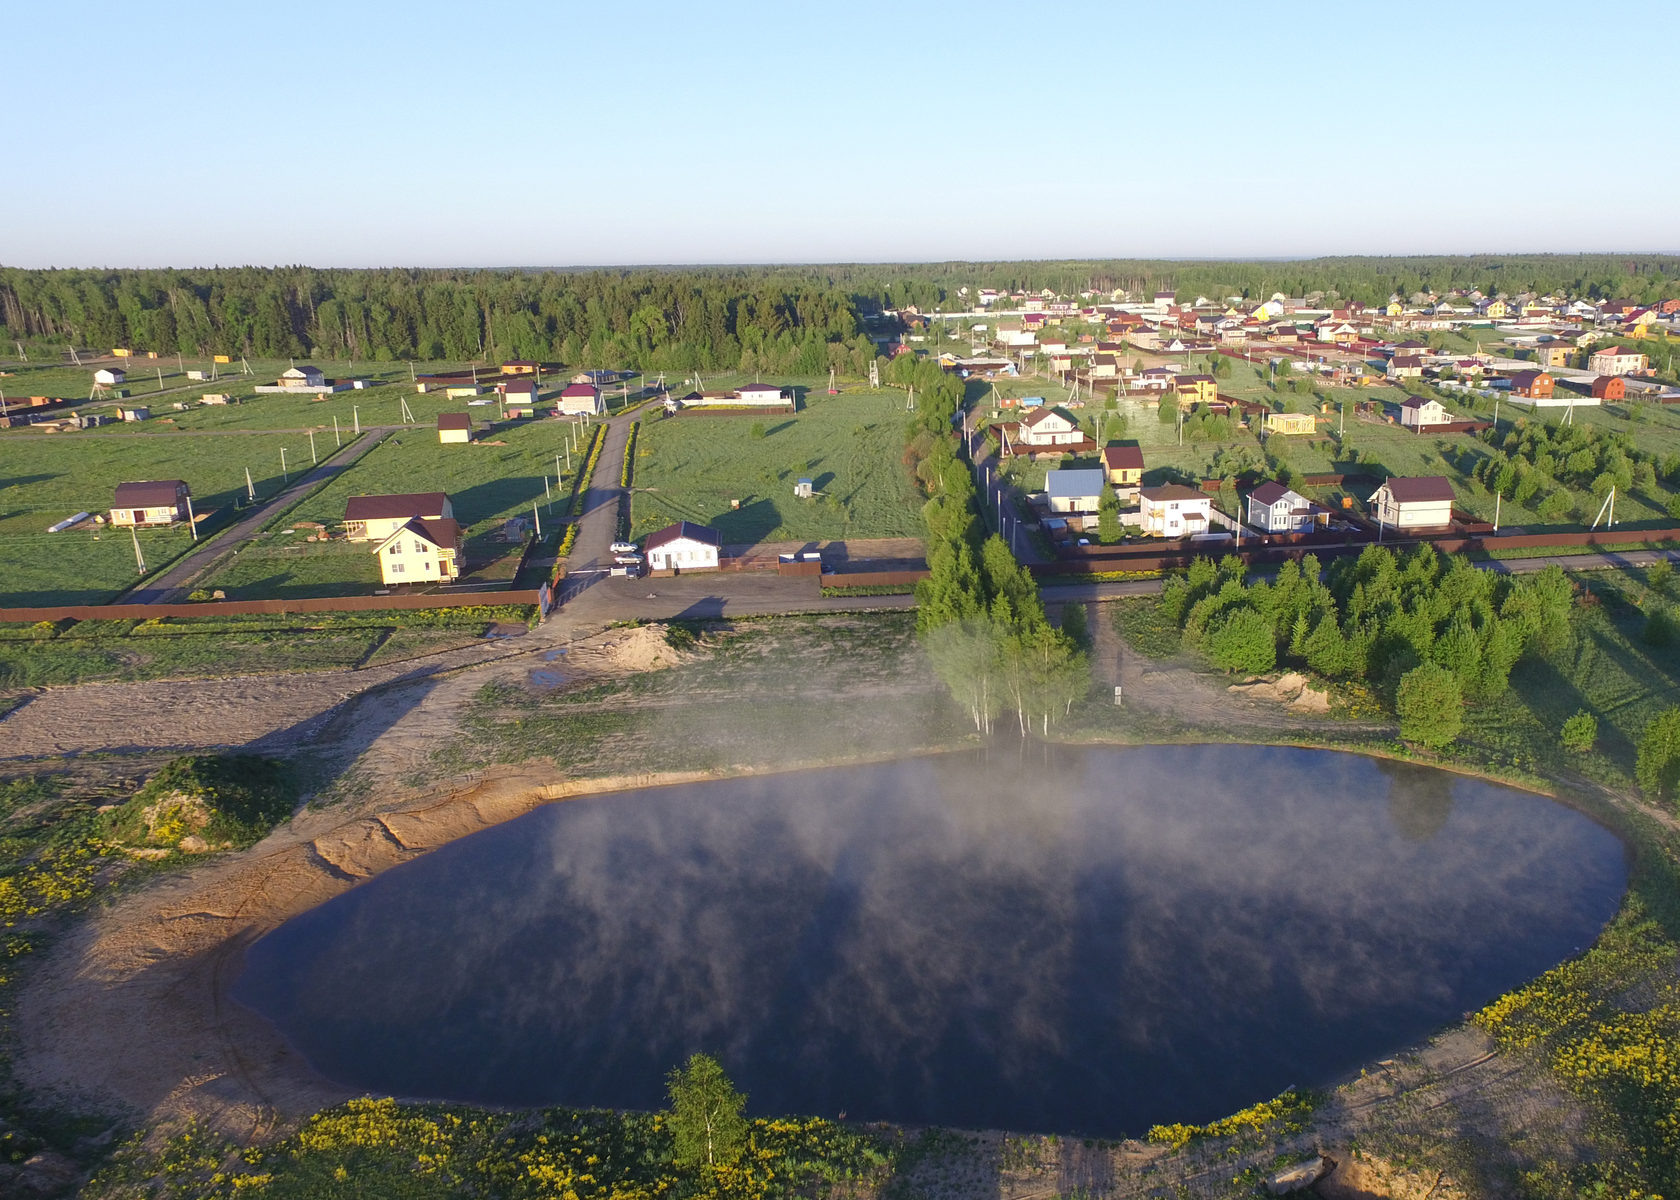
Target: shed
(154,502)
(454,427)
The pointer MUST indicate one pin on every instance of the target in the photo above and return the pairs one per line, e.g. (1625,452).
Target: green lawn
(851,446)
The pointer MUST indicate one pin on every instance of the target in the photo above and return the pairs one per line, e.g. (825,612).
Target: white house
(1405,366)
(1613,360)
(682,547)
(759,393)
(1077,491)
(1273,508)
(1174,511)
(581,398)
(1049,427)
(156,502)
(1419,413)
(1418,502)
(375,518)
(305,376)
(110,375)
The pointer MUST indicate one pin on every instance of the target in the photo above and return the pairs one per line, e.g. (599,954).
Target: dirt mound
(643,648)
(1291,688)
(1369,1178)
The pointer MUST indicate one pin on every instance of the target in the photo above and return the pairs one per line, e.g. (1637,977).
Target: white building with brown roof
(682,547)
(1174,511)
(155,502)
(421,550)
(375,518)
(1415,502)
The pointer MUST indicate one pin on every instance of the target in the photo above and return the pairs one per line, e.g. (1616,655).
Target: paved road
(163,587)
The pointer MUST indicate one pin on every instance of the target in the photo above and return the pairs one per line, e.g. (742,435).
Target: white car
(624,547)
(628,560)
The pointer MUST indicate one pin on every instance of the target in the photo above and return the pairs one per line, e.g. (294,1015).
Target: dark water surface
(1084,941)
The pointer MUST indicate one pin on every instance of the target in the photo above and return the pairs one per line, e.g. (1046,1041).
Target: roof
(1044,414)
(519,387)
(759,387)
(1407,361)
(455,421)
(1527,378)
(1616,350)
(1270,492)
(385,508)
(1173,491)
(1419,489)
(439,531)
(574,390)
(1417,402)
(1119,458)
(681,530)
(1081,482)
(519,362)
(156,493)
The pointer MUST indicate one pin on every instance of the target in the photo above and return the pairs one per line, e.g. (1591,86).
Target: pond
(1084,941)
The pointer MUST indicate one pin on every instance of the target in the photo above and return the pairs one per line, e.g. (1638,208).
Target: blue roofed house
(1074,493)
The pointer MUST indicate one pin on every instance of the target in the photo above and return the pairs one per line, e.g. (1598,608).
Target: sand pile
(643,648)
(1291,688)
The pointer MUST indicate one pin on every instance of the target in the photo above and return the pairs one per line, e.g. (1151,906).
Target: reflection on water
(1076,940)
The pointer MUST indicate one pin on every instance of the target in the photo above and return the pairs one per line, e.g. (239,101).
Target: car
(625,547)
(628,560)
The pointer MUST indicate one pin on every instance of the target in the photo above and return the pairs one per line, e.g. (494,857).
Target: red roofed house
(684,546)
(421,550)
(1536,385)
(1613,360)
(581,398)
(1609,387)
(1422,502)
(454,427)
(375,518)
(159,502)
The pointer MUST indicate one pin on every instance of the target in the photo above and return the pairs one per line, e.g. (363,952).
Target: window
(396,568)
(396,547)
(419,547)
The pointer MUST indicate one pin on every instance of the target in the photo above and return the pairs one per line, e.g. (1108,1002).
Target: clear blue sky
(517,132)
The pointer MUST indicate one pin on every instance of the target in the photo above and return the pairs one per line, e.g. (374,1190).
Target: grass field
(850,446)
(45,478)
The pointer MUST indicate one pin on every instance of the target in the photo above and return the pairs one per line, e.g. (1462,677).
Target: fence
(852,579)
(241,608)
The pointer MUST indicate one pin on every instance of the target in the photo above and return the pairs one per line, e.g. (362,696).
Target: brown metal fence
(233,608)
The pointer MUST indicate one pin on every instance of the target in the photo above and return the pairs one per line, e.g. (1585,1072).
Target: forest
(794,319)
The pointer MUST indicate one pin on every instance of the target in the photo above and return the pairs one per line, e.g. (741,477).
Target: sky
(533,133)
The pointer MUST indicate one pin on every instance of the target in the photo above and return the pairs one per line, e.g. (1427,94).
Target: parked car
(625,547)
(628,560)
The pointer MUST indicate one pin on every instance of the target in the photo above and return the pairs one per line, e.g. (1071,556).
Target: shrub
(1580,732)
(1430,702)
(1659,575)
(1243,642)
(232,799)
(1658,765)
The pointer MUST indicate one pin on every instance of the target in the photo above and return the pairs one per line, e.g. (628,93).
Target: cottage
(1536,385)
(1291,423)
(421,550)
(1196,389)
(1273,508)
(519,391)
(1124,467)
(1609,387)
(1074,492)
(581,399)
(1420,414)
(158,502)
(303,378)
(1104,366)
(107,376)
(519,366)
(1494,308)
(1049,427)
(454,427)
(682,547)
(1404,366)
(375,518)
(1174,511)
(767,394)
(1419,502)
(1614,360)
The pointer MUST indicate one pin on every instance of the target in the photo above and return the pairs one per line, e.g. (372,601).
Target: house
(519,366)
(1553,355)
(158,502)
(1124,467)
(1164,301)
(759,393)
(303,377)
(1417,502)
(1536,385)
(1073,492)
(106,376)
(1195,389)
(1273,508)
(1174,511)
(682,547)
(1420,414)
(1291,423)
(520,391)
(454,427)
(375,518)
(1049,427)
(584,398)
(421,550)
(1494,308)
(1613,360)
(1609,387)
(1405,367)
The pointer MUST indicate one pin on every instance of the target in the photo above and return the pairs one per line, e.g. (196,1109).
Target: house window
(396,568)
(396,547)
(419,547)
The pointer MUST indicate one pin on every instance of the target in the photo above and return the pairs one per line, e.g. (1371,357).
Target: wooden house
(1417,502)
(421,550)
(375,518)
(156,502)
(1124,468)
(454,427)
(1291,423)
(1536,385)
(1609,387)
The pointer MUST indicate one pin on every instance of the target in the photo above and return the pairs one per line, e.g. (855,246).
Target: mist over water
(1075,940)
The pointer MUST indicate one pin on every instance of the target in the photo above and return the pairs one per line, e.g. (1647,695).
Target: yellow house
(1496,308)
(376,518)
(119,352)
(1123,466)
(1553,356)
(1395,309)
(454,427)
(1291,423)
(1195,389)
(421,551)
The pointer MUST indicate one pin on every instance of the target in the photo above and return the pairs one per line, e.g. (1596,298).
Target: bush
(1430,702)
(1658,766)
(1580,732)
(231,800)
(1659,575)
(1243,642)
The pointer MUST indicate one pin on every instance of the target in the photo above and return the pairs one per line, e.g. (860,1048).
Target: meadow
(850,446)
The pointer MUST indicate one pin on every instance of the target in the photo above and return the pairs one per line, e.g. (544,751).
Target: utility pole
(283,474)
(548,496)
(139,559)
(192,521)
(356,415)
(313,461)
(250,488)
(536,520)
(337,441)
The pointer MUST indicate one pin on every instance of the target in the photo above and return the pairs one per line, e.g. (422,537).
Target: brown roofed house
(156,502)
(454,427)
(375,518)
